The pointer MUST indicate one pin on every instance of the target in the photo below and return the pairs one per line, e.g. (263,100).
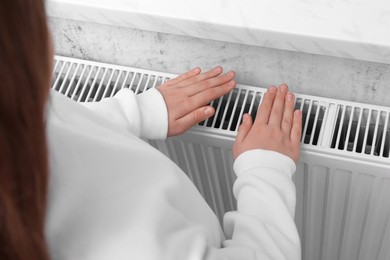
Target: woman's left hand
(187,97)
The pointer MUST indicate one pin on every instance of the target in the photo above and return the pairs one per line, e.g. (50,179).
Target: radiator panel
(345,208)
(342,212)
(342,179)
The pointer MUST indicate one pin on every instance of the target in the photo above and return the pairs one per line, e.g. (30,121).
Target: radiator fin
(358,206)
(316,209)
(362,130)
(377,223)
(338,188)
(91,82)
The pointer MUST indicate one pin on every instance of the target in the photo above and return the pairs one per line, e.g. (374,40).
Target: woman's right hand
(187,97)
(277,127)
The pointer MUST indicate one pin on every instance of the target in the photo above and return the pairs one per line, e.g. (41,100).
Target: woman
(77,182)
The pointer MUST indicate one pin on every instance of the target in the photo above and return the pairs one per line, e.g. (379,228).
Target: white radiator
(342,179)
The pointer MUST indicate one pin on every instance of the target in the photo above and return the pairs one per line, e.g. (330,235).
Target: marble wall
(325,76)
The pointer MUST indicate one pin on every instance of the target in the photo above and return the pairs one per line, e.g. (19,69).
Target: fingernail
(289,97)
(231,83)
(196,70)
(245,119)
(272,89)
(218,69)
(283,88)
(230,74)
(297,113)
(208,111)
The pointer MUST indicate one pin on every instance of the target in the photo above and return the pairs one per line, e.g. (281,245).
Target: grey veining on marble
(325,76)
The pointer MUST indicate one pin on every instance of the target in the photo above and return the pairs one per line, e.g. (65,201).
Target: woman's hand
(277,127)
(187,97)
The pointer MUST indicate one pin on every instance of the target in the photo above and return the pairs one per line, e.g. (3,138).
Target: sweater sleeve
(145,115)
(263,226)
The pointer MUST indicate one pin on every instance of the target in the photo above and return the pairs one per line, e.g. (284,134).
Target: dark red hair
(24,86)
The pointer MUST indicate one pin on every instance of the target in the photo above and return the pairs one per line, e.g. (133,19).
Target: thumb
(199,115)
(193,118)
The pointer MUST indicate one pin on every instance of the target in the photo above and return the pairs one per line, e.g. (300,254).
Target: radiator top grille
(331,125)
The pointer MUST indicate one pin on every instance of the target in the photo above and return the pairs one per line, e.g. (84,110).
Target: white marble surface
(357,29)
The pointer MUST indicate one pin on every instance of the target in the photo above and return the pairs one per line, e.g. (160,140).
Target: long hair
(24,86)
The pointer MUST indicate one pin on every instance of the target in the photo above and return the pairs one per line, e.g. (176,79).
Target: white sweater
(113,196)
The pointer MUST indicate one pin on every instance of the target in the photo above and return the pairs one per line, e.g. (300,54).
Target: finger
(198,78)
(210,83)
(278,106)
(265,107)
(195,117)
(210,94)
(182,77)
(244,128)
(296,130)
(288,114)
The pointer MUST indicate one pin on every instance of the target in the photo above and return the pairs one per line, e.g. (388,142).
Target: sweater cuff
(264,159)
(154,114)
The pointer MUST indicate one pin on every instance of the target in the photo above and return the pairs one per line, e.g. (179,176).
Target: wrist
(263,158)
(154,114)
